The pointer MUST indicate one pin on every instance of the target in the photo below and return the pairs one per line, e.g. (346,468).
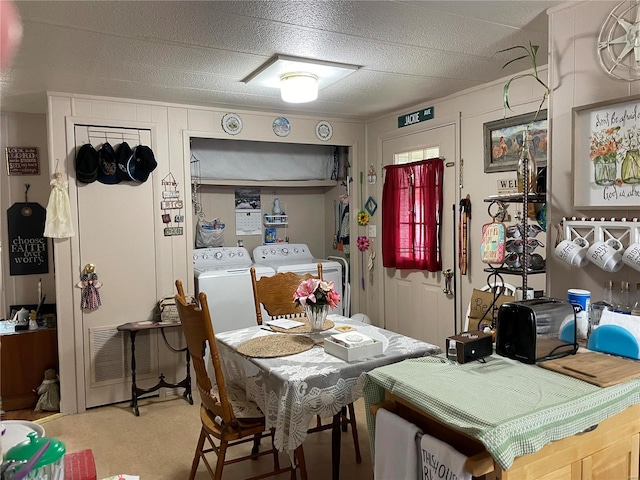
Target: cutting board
(596,368)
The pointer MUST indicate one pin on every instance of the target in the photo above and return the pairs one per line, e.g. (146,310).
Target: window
(412,214)
(416,155)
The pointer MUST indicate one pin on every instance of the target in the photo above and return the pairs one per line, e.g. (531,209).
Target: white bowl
(15,431)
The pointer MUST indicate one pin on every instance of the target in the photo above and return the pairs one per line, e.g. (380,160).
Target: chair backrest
(198,331)
(275,293)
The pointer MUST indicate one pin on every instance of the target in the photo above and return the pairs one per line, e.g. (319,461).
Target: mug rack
(596,230)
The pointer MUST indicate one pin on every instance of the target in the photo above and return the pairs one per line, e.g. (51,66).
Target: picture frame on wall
(606,154)
(503,141)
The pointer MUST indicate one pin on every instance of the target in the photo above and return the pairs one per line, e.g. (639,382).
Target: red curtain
(411,215)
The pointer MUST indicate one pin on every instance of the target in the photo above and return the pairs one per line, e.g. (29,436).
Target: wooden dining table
(291,390)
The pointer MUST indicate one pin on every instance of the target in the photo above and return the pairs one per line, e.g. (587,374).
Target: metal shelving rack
(495,273)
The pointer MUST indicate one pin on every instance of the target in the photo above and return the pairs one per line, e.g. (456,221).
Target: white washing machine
(296,258)
(222,273)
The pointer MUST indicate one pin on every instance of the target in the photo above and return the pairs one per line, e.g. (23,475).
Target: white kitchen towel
(441,460)
(397,447)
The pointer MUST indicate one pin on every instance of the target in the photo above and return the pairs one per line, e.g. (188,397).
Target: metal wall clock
(619,42)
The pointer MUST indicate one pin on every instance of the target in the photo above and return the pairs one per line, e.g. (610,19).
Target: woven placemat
(269,346)
(306,328)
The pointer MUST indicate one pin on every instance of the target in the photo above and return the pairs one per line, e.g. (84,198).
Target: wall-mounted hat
(87,164)
(122,160)
(107,167)
(145,163)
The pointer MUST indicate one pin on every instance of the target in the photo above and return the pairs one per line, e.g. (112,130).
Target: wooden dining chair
(225,412)
(275,294)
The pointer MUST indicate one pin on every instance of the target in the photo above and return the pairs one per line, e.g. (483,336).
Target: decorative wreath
(363,243)
(363,218)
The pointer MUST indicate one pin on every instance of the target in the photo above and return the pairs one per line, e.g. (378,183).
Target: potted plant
(526,163)
(531,53)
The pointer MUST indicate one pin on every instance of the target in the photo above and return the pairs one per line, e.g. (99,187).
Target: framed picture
(606,154)
(503,141)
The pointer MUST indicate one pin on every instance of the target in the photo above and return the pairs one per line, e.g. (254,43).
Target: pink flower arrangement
(316,292)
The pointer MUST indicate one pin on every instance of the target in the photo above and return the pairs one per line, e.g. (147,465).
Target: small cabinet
(24,357)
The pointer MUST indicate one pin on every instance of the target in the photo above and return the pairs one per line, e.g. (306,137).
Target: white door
(415,304)
(117,236)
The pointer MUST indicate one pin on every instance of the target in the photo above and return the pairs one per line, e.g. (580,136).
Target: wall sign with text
(415,117)
(28,247)
(23,161)
(606,154)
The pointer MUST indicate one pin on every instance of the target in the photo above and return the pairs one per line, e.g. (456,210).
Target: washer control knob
(284,251)
(240,253)
(205,256)
(218,255)
(195,257)
(295,250)
(272,251)
(232,254)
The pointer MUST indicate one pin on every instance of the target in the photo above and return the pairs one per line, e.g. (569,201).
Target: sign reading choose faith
(415,117)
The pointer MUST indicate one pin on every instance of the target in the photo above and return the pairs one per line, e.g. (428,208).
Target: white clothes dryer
(222,273)
(296,258)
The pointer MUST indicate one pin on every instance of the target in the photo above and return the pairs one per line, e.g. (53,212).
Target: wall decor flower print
(606,154)
(604,149)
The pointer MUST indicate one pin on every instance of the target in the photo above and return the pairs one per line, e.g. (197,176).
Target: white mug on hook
(573,252)
(631,256)
(606,254)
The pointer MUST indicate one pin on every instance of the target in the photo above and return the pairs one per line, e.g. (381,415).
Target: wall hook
(26,210)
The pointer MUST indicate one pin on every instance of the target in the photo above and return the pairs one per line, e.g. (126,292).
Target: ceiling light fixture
(289,74)
(298,87)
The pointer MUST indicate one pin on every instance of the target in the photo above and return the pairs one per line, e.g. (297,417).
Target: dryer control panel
(220,257)
(286,251)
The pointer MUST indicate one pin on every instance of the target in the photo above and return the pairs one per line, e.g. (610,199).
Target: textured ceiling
(199,52)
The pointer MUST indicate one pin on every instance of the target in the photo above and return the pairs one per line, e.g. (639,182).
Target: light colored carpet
(159,444)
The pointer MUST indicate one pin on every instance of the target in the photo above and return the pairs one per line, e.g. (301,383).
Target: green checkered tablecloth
(513,409)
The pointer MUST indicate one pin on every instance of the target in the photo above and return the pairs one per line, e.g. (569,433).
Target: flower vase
(630,169)
(316,315)
(605,169)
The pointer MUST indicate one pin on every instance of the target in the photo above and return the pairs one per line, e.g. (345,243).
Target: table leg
(335,446)
(134,388)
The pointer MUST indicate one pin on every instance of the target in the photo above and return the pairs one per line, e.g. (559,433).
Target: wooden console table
(133,328)
(25,355)
(534,424)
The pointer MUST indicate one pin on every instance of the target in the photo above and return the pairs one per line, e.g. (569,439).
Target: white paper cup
(580,299)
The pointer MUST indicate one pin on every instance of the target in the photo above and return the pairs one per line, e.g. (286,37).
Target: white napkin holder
(352,346)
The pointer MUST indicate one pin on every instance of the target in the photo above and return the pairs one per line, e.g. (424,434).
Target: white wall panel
(578,80)
(202,120)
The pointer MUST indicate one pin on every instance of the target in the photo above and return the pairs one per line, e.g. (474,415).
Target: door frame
(67,267)
(448,120)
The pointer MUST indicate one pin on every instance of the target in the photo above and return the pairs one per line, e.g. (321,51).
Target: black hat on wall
(145,163)
(123,157)
(107,167)
(87,164)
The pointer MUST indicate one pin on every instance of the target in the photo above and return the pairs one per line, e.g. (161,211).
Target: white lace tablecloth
(292,390)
